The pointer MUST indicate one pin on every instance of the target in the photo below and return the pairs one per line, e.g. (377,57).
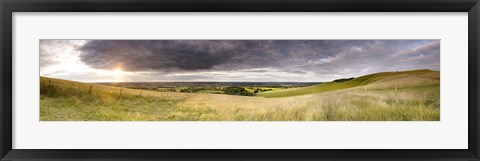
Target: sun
(118,72)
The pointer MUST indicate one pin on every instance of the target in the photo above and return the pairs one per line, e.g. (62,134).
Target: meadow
(388,96)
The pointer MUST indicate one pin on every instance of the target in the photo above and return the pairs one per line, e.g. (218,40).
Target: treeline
(261,90)
(192,89)
(342,80)
(153,89)
(239,91)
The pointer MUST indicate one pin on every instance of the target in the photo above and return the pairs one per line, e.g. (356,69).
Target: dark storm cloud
(168,55)
(157,55)
(327,58)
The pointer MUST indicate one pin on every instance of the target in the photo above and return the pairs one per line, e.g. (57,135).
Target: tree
(240,91)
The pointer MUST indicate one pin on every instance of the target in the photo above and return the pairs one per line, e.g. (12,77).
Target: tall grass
(401,96)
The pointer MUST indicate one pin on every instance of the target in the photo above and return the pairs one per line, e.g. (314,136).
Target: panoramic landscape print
(239,80)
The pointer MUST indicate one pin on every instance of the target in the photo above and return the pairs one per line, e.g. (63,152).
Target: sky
(231,60)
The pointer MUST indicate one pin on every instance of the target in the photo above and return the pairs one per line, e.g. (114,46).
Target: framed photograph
(239,80)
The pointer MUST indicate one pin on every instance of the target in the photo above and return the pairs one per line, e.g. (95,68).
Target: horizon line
(237,81)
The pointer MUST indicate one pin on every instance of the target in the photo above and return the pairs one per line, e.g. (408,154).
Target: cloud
(256,60)
(358,59)
(140,55)
(55,53)
(50,51)
(188,55)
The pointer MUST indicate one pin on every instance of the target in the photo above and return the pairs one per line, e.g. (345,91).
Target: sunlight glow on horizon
(118,72)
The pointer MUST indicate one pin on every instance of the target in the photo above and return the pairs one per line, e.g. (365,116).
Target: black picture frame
(7,7)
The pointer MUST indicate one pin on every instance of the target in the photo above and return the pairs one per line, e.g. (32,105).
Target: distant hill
(401,79)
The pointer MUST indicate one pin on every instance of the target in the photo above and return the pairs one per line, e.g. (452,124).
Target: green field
(390,96)
(266,89)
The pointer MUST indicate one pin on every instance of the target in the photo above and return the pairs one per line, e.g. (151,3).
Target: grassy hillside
(360,81)
(393,96)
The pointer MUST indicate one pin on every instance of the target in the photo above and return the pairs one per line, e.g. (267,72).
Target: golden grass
(403,96)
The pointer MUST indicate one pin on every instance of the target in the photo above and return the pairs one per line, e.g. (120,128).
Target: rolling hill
(430,77)
(389,96)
